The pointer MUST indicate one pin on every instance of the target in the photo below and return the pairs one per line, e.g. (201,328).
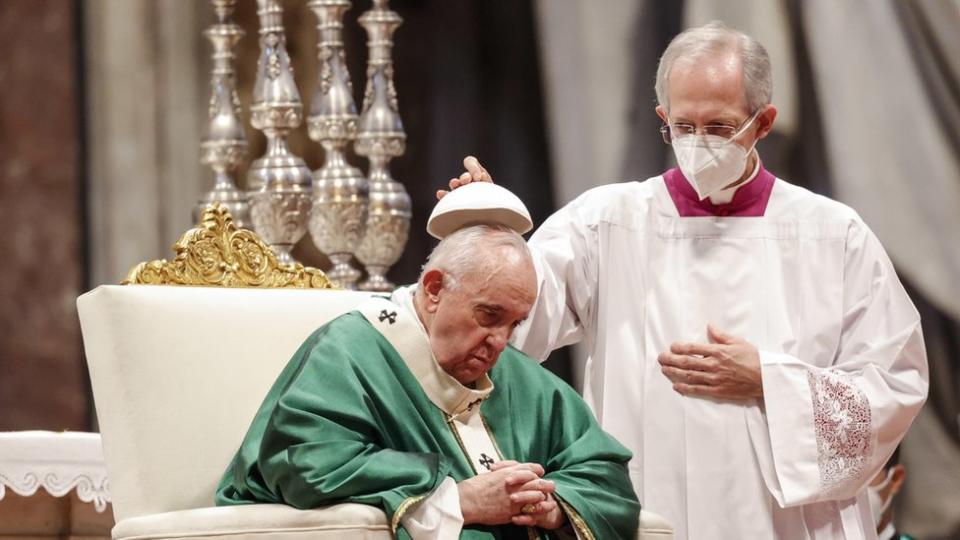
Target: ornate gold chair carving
(218,254)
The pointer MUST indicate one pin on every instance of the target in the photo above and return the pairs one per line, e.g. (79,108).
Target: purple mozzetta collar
(749,200)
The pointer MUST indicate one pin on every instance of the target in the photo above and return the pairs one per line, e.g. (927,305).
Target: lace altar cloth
(57,462)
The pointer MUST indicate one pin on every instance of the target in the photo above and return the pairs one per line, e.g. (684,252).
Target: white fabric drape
(887,156)
(586,62)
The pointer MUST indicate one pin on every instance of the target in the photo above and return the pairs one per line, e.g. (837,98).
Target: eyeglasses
(677,130)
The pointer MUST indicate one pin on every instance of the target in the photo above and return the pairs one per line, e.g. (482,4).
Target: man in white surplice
(748,340)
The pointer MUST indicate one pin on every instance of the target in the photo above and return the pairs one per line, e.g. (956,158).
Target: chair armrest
(259,522)
(654,527)
(282,522)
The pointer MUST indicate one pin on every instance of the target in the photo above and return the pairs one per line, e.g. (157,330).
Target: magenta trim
(748,201)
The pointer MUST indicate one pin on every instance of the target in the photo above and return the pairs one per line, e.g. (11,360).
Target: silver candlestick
(381,138)
(224,143)
(279,182)
(339,213)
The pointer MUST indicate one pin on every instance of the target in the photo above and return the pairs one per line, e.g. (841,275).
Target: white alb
(842,356)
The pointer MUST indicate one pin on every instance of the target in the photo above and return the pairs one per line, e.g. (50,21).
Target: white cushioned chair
(178,373)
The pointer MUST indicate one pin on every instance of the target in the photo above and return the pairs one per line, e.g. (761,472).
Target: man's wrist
(466,503)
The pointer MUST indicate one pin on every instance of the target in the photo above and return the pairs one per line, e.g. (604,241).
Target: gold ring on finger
(529,508)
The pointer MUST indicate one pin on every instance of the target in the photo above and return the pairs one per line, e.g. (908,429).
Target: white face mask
(877,505)
(710,162)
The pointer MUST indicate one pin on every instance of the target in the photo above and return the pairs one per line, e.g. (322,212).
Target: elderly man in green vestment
(415,403)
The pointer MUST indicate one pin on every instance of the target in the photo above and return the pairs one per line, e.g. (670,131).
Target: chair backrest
(177,375)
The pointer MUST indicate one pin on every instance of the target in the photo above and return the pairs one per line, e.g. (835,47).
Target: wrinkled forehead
(504,280)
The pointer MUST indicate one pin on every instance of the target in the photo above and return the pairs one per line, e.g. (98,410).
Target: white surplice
(842,356)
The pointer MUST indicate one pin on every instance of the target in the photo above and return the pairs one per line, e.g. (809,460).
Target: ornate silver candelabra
(279,182)
(380,139)
(339,214)
(224,143)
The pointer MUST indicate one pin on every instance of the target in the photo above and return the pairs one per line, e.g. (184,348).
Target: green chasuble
(349,421)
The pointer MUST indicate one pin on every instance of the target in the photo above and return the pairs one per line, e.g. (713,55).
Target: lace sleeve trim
(843,425)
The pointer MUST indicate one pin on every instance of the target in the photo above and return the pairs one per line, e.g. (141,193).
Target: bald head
(478,252)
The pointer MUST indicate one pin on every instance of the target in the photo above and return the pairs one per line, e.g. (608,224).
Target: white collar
(443,390)
(724,196)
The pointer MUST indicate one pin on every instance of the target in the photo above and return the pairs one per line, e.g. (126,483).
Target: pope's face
(471,324)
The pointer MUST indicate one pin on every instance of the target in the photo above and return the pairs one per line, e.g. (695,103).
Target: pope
(415,403)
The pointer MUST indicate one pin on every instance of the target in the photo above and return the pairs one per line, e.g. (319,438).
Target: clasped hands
(511,492)
(726,368)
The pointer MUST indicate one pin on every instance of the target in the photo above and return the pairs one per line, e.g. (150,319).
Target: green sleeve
(318,439)
(589,468)
(538,418)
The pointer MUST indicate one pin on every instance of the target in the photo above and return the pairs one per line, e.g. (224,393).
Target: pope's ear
(432,284)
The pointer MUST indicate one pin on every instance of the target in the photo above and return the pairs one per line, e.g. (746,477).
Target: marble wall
(42,377)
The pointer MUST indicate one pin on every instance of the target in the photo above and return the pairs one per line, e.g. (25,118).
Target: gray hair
(469,249)
(714,38)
